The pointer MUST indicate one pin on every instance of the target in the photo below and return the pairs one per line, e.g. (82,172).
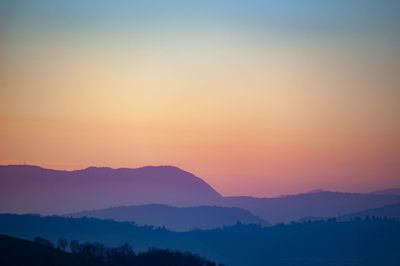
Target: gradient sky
(256,97)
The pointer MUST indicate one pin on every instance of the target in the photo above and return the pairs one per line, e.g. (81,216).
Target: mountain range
(390,191)
(367,242)
(175,218)
(385,212)
(324,204)
(388,211)
(32,189)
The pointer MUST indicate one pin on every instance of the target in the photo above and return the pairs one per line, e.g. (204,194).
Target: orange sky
(252,114)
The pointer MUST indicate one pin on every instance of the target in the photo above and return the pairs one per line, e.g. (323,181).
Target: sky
(258,98)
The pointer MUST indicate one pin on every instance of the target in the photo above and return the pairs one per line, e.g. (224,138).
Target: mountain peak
(150,169)
(96,168)
(315,191)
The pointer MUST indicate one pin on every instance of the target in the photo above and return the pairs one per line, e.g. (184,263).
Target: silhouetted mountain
(319,204)
(175,218)
(357,242)
(52,191)
(391,191)
(389,211)
(19,252)
(15,252)
(315,191)
(37,190)
(83,229)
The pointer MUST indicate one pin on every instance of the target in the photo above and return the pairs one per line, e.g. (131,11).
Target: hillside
(353,243)
(15,252)
(174,218)
(49,191)
(32,189)
(19,252)
(388,211)
(390,191)
(320,204)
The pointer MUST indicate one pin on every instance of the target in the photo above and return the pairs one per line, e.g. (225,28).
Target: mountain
(175,218)
(20,252)
(324,204)
(388,211)
(318,190)
(391,191)
(15,252)
(352,243)
(33,189)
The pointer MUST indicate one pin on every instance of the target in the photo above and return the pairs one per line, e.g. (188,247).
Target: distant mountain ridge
(33,189)
(320,204)
(390,191)
(387,211)
(174,218)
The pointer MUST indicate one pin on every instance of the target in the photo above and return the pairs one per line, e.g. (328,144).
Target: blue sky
(364,15)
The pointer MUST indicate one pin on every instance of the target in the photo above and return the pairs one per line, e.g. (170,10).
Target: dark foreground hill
(356,242)
(19,252)
(175,218)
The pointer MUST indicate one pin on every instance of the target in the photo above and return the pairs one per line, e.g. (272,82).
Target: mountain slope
(26,188)
(36,190)
(174,218)
(15,252)
(352,243)
(321,204)
(388,211)
(391,191)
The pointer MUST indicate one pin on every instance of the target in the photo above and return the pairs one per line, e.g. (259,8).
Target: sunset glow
(252,105)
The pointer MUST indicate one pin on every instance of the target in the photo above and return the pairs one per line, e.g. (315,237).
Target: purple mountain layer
(174,218)
(391,191)
(324,204)
(388,211)
(38,190)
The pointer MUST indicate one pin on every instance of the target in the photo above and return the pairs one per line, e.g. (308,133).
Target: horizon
(314,190)
(257,97)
